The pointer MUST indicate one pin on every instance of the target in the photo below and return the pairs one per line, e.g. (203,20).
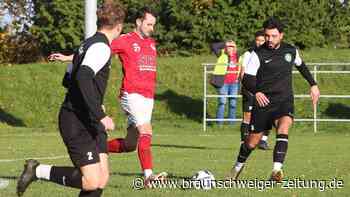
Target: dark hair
(109,15)
(259,33)
(141,13)
(273,23)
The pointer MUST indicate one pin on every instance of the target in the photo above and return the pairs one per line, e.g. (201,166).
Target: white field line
(37,158)
(120,158)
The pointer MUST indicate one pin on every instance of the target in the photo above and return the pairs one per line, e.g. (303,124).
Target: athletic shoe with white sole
(154,177)
(233,174)
(277,175)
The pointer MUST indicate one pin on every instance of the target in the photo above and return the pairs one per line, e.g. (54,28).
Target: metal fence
(315,71)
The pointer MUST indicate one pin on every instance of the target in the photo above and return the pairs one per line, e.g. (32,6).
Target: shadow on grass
(9,177)
(338,110)
(10,119)
(183,105)
(132,174)
(187,147)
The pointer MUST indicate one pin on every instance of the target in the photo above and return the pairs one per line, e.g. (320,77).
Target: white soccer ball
(203,179)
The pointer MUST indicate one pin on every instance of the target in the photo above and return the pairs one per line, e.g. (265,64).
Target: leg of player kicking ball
(144,149)
(280,150)
(145,155)
(246,148)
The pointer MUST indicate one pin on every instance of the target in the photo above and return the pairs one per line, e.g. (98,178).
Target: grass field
(182,151)
(30,96)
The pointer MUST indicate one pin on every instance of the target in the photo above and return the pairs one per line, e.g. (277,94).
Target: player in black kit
(82,121)
(268,76)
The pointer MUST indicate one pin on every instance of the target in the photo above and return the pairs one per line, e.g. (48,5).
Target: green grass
(182,152)
(30,96)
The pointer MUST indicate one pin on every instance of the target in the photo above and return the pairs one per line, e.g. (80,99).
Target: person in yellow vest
(227,64)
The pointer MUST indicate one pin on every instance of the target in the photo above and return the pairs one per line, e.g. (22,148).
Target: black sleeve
(306,74)
(85,76)
(66,80)
(249,82)
(216,47)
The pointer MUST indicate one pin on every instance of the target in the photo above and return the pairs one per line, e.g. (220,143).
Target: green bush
(20,48)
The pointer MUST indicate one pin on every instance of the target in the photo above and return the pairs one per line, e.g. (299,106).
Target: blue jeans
(227,89)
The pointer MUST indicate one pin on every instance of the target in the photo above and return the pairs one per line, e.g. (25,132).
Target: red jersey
(138,56)
(232,67)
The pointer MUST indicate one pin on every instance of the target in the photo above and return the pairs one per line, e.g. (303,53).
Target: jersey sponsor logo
(136,47)
(268,61)
(288,57)
(147,63)
(153,47)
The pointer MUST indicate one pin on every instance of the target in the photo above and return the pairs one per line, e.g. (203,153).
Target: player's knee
(282,131)
(251,145)
(104,180)
(145,129)
(146,132)
(91,183)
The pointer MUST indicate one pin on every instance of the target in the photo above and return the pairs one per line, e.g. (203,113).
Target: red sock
(144,151)
(116,145)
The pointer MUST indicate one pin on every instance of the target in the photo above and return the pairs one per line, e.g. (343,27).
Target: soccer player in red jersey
(137,53)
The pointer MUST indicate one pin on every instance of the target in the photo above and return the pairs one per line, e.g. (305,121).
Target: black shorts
(84,142)
(263,117)
(247,102)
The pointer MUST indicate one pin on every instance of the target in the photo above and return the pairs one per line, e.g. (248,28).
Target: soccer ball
(203,179)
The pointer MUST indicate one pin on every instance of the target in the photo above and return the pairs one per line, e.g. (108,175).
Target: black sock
(67,176)
(244,153)
(244,131)
(94,193)
(280,151)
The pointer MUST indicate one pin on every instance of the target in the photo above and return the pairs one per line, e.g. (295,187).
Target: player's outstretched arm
(304,71)
(60,57)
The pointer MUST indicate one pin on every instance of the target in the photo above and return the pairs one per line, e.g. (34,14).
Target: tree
(58,24)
